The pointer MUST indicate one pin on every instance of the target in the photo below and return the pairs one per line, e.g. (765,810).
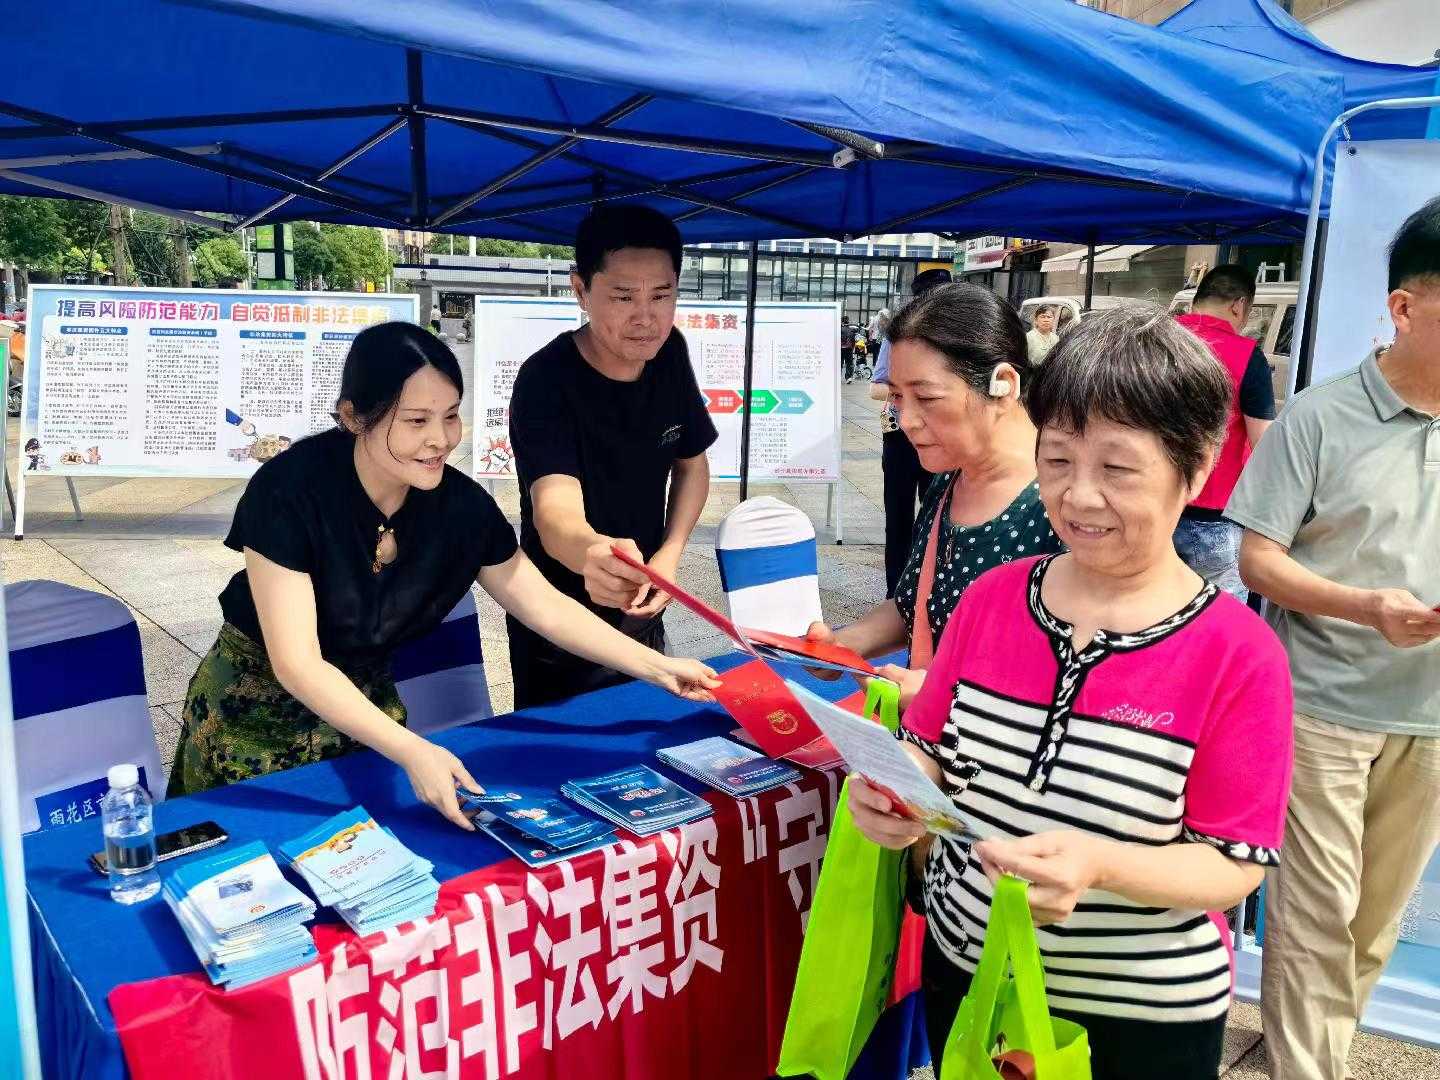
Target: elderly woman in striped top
(1116,730)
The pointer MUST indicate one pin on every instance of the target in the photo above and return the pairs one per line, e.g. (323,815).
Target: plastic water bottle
(129,824)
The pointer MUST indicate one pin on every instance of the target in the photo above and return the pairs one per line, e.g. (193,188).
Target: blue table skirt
(84,944)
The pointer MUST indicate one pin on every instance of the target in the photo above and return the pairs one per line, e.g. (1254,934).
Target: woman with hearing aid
(958,373)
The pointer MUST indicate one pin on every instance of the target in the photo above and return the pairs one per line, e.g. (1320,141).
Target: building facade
(1392,31)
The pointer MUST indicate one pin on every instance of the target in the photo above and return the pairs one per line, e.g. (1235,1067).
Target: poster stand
(196,383)
(798,338)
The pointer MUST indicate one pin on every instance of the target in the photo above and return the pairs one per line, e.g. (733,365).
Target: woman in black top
(356,541)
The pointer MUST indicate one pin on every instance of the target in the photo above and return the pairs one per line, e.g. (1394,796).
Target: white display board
(1377,186)
(795,428)
(183,382)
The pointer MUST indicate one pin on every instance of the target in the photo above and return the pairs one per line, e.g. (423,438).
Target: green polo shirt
(1348,478)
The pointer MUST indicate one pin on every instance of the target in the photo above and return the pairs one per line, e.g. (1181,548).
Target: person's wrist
(1101,857)
(400,746)
(1367,605)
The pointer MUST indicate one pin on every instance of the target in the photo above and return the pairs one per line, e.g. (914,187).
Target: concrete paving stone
(1242,1032)
(703,648)
(199,644)
(167,732)
(32,559)
(169,664)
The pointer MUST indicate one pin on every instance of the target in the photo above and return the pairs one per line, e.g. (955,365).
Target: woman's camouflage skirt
(240,722)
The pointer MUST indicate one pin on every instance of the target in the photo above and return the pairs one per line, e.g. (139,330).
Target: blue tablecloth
(84,945)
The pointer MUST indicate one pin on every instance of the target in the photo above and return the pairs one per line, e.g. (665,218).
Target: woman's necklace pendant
(381,530)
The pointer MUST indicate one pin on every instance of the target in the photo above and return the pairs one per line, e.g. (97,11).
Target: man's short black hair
(1415,251)
(929,279)
(614,226)
(1227,284)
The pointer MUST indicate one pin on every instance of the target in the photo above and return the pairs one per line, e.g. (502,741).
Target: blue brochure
(727,766)
(637,798)
(242,918)
(555,824)
(363,871)
(527,849)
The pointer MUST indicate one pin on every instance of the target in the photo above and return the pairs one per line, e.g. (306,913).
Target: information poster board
(795,424)
(1377,186)
(184,382)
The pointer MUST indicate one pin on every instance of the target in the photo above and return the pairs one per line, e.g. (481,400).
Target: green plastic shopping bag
(847,961)
(1004,1029)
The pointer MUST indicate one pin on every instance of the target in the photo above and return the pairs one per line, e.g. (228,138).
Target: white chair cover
(441,677)
(77,676)
(768,566)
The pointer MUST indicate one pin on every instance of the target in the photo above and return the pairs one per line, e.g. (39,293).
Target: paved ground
(156,544)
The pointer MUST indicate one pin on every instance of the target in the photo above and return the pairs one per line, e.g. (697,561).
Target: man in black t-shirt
(602,422)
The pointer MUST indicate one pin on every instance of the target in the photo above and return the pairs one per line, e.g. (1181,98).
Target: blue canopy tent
(743,119)
(1381,101)
(1263,28)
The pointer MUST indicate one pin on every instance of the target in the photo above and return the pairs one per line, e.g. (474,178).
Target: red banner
(662,958)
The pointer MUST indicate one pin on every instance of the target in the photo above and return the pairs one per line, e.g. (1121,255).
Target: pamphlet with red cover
(752,692)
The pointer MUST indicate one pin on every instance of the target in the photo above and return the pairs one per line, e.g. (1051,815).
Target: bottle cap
(123,776)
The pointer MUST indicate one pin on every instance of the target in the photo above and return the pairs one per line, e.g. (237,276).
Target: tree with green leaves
(32,233)
(359,255)
(439,244)
(219,263)
(314,261)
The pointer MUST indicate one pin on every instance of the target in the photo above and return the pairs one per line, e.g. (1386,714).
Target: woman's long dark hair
(380,359)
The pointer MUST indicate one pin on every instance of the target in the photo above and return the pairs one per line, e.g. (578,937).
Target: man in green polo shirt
(1341,507)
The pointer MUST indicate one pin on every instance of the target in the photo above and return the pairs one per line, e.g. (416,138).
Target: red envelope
(803,649)
(756,697)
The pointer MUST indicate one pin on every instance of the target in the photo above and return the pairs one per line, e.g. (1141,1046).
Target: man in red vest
(1208,543)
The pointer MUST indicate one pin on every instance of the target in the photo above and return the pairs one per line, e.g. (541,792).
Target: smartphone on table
(174,845)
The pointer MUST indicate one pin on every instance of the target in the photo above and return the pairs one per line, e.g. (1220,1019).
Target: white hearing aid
(999,387)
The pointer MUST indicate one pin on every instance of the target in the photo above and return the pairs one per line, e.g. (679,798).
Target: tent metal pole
(399,197)
(949,204)
(861,144)
(1090,275)
(181,123)
(912,153)
(645,185)
(415,90)
(751,287)
(785,178)
(654,188)
(279,182)
(330,170)
(44,183)
(1308,274)
(655,140)
(624,109)
(584,181)
(99,155)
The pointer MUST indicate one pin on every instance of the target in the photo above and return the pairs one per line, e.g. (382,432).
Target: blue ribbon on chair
(744,568)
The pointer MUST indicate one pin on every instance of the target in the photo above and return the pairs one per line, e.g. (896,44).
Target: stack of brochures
(536,829)
(637,798)
(244,921)
(727,766)
(364,872)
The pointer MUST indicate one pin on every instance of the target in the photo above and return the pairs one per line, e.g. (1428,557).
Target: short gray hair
(1138,367)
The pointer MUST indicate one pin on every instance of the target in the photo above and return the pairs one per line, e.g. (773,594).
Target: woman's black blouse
(307,511)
